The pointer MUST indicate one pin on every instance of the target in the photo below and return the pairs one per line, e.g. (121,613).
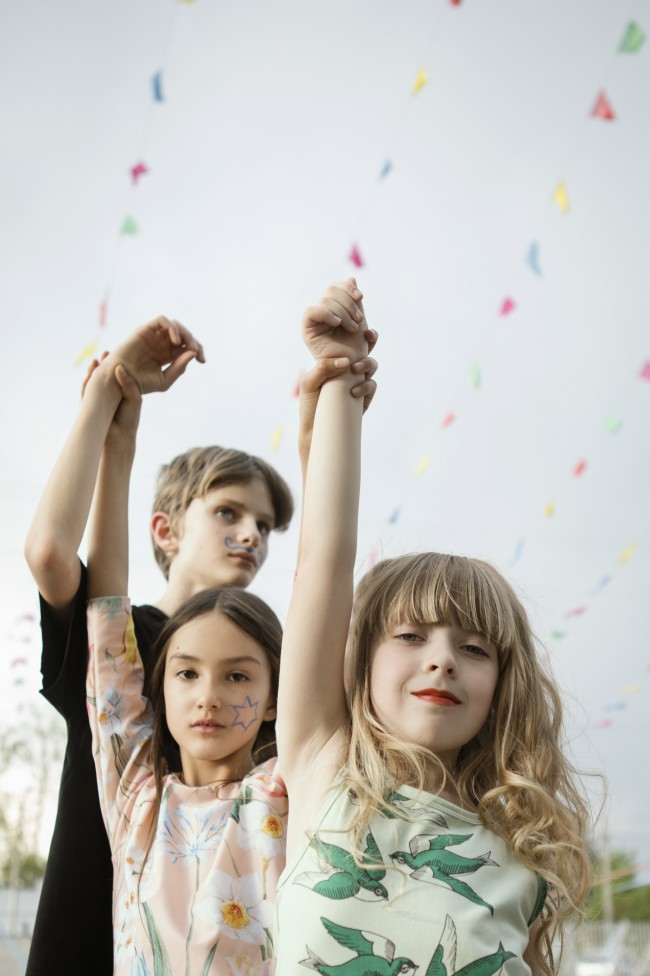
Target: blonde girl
(436,824)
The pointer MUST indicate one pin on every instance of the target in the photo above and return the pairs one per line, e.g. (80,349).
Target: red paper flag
(355,257)
(644,372)
(580,468)
(448,420)
(137,171)
(602,109)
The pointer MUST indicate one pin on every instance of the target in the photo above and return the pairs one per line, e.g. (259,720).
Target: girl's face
(217,690)
(433,685)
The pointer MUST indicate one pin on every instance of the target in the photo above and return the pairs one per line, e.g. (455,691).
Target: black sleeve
(65,654)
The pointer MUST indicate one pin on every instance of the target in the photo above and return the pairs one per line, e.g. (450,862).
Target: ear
(163,533)
(271,713)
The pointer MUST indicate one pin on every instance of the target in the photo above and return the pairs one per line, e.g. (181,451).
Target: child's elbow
(55,570)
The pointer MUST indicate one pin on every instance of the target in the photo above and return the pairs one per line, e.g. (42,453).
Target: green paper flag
(614,424)
(129,226)
(475,375)
(633,39)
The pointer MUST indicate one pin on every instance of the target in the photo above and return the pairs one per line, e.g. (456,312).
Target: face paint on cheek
(230,544)
(245,714)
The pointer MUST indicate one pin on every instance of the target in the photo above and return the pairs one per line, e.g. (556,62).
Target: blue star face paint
(245,714)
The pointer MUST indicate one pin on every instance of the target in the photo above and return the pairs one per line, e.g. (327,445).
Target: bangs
(431,588)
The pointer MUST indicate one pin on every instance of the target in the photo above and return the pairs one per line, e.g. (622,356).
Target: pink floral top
(203,904)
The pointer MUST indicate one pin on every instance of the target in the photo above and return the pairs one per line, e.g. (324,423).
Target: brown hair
(514,771)
(200,470)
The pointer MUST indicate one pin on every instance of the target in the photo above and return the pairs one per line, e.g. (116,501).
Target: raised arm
(311,705)
(155,355)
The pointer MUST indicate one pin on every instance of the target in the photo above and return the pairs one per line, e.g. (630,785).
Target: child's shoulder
(264,782)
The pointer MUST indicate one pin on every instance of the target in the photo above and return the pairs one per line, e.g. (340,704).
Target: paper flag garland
(633,39)
(580,468)
(156,84)
(603,723)
(576,612)
(422,466)
(558,634)
(631,690)
(602,109)
(394,517)
(532,258)
(448,420)
(614,424)
(129,226)
(644,372)
(561,198)
(627,552)
(277,438)
(601,585)
(507,307)
(355,257)
(455,3)
(549,510)
(140,169)
(420,81)
(519,548)
(475,376)
(103,312)
(86,353)
(385,170)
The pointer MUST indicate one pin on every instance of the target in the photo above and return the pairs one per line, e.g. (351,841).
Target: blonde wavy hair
(514,772)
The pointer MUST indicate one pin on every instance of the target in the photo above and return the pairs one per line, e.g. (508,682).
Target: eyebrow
(242,659)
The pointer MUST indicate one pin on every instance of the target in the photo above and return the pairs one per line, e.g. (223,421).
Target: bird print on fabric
(443,962)
(341,877)
(374,955)
(430,861)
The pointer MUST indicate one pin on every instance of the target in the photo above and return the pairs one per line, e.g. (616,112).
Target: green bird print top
(438,895)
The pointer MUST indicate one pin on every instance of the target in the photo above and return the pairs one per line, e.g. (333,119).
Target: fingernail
(358,367)
(336,317)
(358,315)
(341,361)
(356,294)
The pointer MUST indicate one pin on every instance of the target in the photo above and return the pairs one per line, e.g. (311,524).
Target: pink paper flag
(455,3)
(448,420)
(296,389)
(507,306)
(576,612)
(603,723)
(103,311)
(355,257)
(644,372)
(580,468)
(137,171)
(602,109)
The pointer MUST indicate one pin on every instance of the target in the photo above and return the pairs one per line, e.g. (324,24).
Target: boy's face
(223,537)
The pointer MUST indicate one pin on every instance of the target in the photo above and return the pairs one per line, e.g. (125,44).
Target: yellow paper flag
(631,690)
(561,198)
(86,353)
(277,437)
(421,79)
(625,555)
(423,464)
(549,510)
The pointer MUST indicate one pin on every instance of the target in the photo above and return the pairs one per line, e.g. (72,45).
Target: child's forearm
(60,520)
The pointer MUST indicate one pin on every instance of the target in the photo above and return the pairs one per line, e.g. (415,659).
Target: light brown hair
(198,471)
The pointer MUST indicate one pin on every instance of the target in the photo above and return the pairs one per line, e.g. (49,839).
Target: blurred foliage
(629,901)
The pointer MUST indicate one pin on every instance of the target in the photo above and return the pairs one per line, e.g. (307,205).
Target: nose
(209,699)
(440,654)
(249,534)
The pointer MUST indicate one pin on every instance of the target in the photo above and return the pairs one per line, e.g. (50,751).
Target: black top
(73,932)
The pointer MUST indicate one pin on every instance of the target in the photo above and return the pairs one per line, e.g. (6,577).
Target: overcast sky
(265,161)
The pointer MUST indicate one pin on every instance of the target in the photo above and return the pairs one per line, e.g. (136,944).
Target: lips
(207,726)
(436,696)
(244,555)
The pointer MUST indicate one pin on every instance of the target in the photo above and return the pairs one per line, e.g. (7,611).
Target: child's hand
(161,343)
(334,327)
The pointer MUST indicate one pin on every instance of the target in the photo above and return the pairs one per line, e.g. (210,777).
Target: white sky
(264,166)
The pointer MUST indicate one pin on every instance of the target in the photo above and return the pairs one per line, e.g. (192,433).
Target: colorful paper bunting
(475,376)
(644,372)
(103,312)
(420,81)
(277,438)
(129,226)
(385,170)
(633,39)
(17,661)
(614,424)
(580,469)
(532,258)
(616,707)
(519,548)
(355,257)
(603,109)
(625,555)
(156,84)
(561,198)
(558,634)
(603,723)
(448,420)
(631,690)
(602,583)
(507,307)
(455,3)
(86,353)
(549,510)
(422,465)
(140,169)
(296,389)
(394,517)
(576,612)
